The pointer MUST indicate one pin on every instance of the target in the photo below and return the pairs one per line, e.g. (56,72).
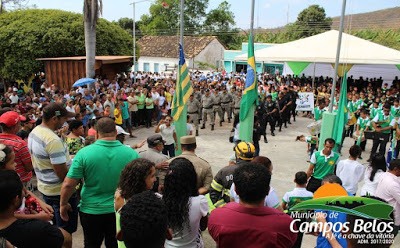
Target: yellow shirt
(168,96)
(118,117)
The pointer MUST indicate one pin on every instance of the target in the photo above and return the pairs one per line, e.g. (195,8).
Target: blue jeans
(169,150)
(72,223)
(312,148)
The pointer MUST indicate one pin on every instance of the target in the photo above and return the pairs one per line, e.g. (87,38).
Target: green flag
(249,97)
(342,113)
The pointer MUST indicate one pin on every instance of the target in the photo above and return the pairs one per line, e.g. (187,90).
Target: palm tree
(91,11)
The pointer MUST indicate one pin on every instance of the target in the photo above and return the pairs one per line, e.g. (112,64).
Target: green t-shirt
(323,165)
(150,100)
(318,113)
(374,112)
(141,101)
(386,122)
(395,112)
(311,140)
(100,165)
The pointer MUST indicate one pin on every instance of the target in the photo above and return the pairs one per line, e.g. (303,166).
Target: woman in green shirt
(149,109)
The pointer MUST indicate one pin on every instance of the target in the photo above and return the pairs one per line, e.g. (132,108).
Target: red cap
(11,118)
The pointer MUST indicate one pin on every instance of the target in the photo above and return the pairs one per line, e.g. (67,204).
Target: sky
(268,13)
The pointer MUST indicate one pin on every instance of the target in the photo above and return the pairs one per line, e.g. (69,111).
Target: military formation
(205,104)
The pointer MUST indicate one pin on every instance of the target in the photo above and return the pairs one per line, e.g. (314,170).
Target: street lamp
(165,5)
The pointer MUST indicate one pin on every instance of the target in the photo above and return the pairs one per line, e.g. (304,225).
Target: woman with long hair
(149,105)
(168,133)
(187,210)
(138,175)
(373,174)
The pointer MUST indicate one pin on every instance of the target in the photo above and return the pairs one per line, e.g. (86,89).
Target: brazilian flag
(250,90)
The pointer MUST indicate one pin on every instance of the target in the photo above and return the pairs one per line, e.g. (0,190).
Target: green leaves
(30,34)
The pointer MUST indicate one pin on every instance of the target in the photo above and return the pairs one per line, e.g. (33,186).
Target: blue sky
(268,13)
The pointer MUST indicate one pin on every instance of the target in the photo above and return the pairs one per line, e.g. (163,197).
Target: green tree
(165,21)
(310,21)
(221,21)
(127,24)
(30,34)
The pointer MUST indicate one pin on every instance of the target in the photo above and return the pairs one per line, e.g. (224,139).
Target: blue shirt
(125,112)
(322,242)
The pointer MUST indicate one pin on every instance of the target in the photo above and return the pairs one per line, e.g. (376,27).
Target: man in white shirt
(350,171)
(389,190)
(14,97)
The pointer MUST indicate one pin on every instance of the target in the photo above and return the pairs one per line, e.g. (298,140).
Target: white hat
(120,130)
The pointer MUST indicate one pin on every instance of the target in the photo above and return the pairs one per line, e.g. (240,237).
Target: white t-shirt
(191,238)
(351,172)
(271,200)
(369,186)
(297,194)
(161,100)
(167,133)
(14,99)
(70,109)
(189,128)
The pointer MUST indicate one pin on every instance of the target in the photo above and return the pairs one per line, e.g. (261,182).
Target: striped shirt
(47,149)
(21,152)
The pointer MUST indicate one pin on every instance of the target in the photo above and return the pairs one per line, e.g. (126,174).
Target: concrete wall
(212,53)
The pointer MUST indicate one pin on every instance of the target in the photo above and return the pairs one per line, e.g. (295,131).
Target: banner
(305,102)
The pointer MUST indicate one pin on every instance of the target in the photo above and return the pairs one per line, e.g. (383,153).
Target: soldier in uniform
(292,106)
(198,95)
(193,111)
(283,111)
(208,103)
(271,114)
(226,103)
(154,154)
(217,107)
(236,103)
(202,167)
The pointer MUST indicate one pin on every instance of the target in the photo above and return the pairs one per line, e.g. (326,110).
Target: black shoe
(212,127)
(285,126)
(289,122)
(223,120)
(229,120)
(273,134)
(203,127)
(265,141)
(369,160)
(197,132)
(359,157)
(280,129)
(220,123)
(294,119)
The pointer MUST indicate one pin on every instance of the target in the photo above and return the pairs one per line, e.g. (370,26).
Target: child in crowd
(297,195)
(350,171)
(362,125)
(312,143)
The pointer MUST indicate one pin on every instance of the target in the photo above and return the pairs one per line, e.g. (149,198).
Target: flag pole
(339,45)
(180,124)
(246,126)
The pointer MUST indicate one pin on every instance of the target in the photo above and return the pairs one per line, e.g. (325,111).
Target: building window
(156,67)
(146,67)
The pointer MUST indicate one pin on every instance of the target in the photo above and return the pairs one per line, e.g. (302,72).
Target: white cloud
(267,5)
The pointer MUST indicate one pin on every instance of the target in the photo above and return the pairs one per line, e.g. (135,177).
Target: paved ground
(287,156)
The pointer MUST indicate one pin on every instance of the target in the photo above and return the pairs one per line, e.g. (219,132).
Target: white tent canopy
(321,48)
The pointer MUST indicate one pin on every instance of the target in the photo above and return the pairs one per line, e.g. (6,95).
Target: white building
(161,53)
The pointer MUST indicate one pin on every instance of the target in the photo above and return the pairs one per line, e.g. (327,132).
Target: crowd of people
(73,143)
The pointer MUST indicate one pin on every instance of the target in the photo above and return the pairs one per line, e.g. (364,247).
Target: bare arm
(61,170)
(310,170)
(329,235)
(68,188)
